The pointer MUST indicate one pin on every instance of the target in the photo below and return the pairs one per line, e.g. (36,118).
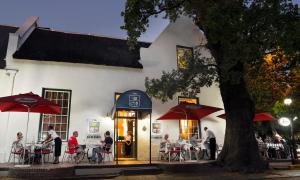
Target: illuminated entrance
(132,124)
(127,136)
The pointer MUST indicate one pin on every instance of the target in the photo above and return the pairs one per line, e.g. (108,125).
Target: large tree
(239,34)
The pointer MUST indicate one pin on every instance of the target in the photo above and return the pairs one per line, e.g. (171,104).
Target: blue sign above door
(135,100)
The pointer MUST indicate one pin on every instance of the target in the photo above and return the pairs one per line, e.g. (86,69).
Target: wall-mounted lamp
(108,117)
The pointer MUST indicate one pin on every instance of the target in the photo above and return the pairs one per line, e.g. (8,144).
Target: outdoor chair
(39,155)
(69,155)
(204,154)
(15,153)
(263,150)
(218,149)
(163,153)
(175,153)
(107,152)
(195,150)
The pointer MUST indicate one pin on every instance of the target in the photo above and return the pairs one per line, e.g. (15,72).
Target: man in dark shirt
(108,141)
(106,145)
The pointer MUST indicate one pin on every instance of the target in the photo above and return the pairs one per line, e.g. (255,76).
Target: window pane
(65,103)
(52,119)
(46,118)
(64,127)
(64,111)
(45,127)
(64,119)
(59,102)
(58,119)
(54,95)
(48,95)
(57,127)
(66,96)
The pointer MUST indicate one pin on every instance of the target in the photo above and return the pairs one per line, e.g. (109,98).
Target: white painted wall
(93,87)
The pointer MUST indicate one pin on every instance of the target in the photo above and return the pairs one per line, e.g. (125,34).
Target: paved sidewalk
(273,174)
(205,170)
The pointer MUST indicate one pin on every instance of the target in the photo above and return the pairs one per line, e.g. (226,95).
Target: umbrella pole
(187,121)
(26,135)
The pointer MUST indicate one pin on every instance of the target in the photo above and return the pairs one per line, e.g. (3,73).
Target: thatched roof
(44,44)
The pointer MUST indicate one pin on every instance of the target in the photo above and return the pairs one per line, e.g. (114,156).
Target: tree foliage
(239,33)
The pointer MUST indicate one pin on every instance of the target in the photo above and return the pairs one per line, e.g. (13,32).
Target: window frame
(199,123)
(41,115)
(183,47)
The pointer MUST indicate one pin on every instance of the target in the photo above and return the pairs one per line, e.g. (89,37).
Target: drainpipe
(6,143)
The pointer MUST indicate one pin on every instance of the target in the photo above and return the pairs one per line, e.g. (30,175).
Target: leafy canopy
(239,33)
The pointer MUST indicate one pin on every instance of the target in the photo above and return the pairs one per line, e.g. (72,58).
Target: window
(188,100)
(183,55)
(189,128)
(59,121)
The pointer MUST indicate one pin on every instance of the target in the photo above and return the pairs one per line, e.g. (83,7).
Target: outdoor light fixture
(295,118)
(287,101)
(287,121)
(107,117)
(284,121)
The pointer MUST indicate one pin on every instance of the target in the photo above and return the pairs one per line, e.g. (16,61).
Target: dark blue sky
(101,17)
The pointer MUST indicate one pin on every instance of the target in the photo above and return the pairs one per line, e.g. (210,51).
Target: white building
(83,73)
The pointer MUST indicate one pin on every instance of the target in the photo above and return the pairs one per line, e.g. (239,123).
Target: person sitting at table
(164,145)
(18,144)
(195,144)
(181,139)
(103,146)
(262,147)
(165,140)
(74,147)
(19,147)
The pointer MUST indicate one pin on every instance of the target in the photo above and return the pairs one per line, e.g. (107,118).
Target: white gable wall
(93,87)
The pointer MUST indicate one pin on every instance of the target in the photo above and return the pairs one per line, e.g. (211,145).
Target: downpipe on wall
(7,145)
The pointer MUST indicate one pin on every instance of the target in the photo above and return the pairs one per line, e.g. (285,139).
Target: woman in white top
(52,135)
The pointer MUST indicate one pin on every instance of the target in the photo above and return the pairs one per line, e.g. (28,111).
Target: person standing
(52,136)
(128,142)
(211,139)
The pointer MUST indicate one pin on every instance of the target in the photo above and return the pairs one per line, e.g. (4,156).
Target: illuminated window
(60,122)
(189,128)
(188,100)
(183,55)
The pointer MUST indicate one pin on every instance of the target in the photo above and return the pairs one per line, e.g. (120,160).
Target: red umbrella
(259,116)
(28,102)
(189,112)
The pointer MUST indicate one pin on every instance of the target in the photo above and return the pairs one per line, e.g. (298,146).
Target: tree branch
(163,8)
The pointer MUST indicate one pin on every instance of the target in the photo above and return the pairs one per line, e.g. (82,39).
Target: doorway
(126,135)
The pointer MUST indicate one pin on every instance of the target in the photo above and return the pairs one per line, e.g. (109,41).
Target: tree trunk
(240,150)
